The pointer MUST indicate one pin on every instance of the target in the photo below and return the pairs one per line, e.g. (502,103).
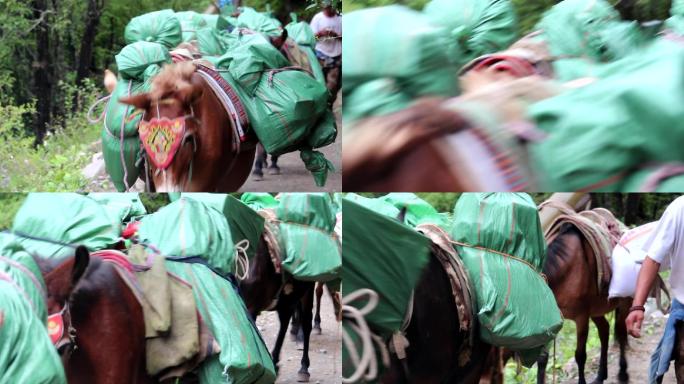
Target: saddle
(598,227)
(461,289)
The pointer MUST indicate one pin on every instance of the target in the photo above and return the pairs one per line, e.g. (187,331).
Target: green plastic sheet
(66,218)
(120,159)
(189,228)
(258,22)
(157,27)
(376,205)
(302,33)
(601,133)
(418,211)
(135,58)
(476,27)
(121,207)
(402,52)
(503,250)
(244,358)
(676,20)
(310,249)
(259,200)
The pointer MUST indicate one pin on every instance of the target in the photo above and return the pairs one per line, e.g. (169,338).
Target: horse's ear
(80,264)
(141,101)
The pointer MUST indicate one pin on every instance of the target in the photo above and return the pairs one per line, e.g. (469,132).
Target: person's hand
(633,322)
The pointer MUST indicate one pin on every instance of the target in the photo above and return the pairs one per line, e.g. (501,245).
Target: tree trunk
(632,205)
(85,55)
(41,71)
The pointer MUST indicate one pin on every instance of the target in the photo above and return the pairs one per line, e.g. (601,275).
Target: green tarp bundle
(158,27)
(244,358)
(309,248)
(302,34)
(675,22)
(393,55)
(243,221)
(383,255)
(54,220)
(418,211)
(601,133)
(476,27)
(376,205)
(259,200)
(503,249)
(26,352)
(135,58)
(121,207)
(258,22)
(188,228)
(583,33)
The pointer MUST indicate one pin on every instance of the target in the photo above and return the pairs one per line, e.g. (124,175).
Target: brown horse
(266,285)
(571,270)
(104,333)
(211,158)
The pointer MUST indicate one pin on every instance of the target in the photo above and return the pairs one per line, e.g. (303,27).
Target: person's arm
(647,275)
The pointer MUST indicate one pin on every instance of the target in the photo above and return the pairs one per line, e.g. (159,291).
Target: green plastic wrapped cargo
(601,133)
(310,250)
(188,228)
(134,59)
(503,248)
(244,222)
(244,358)
(476,27)
(190,23)
(258,22)
(400,51)
(385,256)
(157,27)
(121,157)
(121,207)
(259,200)
(376,205)
(302,33)
(47,223)
(24,272)
(26,352)
(676,20)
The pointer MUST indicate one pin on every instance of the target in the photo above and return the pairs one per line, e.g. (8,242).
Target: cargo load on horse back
(268,87)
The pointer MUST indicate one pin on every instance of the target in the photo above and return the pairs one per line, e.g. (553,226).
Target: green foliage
(353,5)
(57,164)
(154,201)
(529,12)
(10,203)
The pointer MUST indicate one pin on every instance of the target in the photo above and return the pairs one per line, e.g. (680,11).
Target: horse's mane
(173,77)
(557,251)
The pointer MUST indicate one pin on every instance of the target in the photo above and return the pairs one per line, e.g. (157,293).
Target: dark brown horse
(572,272)
(211,157)
(107,344)
(266,285)
(435,338)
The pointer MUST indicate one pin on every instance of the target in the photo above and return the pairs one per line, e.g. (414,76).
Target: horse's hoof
(623,377)
(318,329)
(300,346)
(257,177)
(274,171)
(303,377)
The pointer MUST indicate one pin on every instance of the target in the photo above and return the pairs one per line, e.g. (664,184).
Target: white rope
(365,363)
(89,115)
(241,260)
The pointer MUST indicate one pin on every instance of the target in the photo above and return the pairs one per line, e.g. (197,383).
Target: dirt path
(325,351)
(293,178)
(638,355)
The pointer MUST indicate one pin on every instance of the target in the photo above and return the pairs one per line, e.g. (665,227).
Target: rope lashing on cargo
(99,101)
(398,343)
(365,363)
(6,277)
(501,254)
(241,259)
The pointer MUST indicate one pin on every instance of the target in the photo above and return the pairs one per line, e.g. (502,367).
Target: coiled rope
(365,363)
(241,259)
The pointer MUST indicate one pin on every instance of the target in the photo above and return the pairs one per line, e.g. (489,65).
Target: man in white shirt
(664,249)
(327,26)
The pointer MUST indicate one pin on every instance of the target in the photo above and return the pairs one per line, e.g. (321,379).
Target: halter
(65,344)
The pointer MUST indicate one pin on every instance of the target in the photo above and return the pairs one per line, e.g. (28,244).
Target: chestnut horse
(107,344)
(264,286)
(571,271)
(211,158)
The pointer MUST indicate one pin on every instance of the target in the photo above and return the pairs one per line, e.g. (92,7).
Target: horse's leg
(604,333)
(285,310)
(679,352)
(296,327)
(621,336)
(582,324)
(317,318)
(274,169)
(306,305)
(261,159)
(542,360)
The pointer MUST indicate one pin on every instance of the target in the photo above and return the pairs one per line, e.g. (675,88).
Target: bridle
(65,343)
